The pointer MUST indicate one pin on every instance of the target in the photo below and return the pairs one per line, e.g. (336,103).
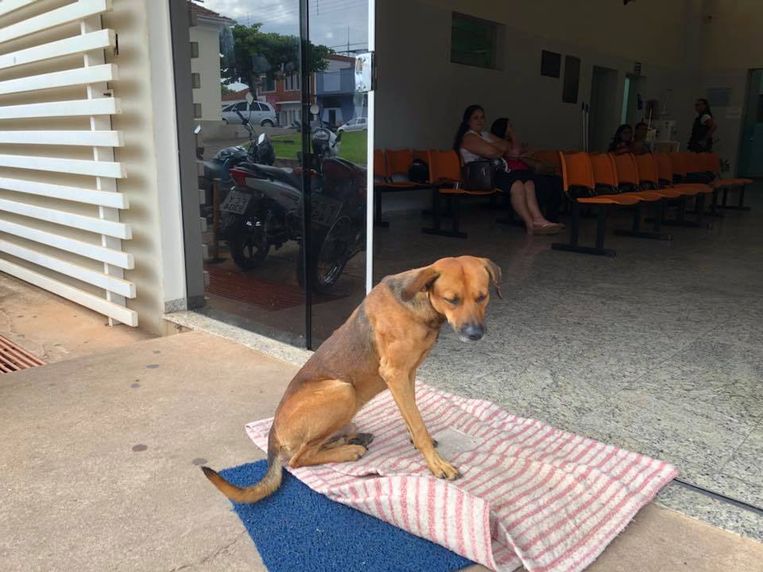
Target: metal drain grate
(15,358)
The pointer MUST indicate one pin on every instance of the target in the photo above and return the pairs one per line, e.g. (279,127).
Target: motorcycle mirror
(197,130)
(244,120)
(249,97)
(261,139)
(314,109)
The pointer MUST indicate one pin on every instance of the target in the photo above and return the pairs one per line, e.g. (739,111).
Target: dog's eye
(481,298)
(454,301)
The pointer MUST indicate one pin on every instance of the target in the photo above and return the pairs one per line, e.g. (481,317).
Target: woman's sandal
(548,228)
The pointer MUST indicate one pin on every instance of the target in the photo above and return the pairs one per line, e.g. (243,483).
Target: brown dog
(379,347)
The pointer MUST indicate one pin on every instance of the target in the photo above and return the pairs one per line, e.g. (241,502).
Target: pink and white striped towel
(530,494)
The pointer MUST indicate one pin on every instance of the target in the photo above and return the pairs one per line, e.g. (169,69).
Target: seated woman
(621,142)
(548,188)
(640,145)
(473,143)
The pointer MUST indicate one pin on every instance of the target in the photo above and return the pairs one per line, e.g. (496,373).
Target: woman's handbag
(479,175)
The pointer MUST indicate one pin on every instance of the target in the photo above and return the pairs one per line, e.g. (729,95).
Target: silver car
(356,124)
(257,112)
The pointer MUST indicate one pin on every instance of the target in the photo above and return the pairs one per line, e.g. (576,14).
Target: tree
(257,55)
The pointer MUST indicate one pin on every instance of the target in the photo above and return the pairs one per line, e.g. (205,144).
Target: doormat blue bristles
(299,529)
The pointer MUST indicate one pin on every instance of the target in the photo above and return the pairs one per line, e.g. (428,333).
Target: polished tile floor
(658,350)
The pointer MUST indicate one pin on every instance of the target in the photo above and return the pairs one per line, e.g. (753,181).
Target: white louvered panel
(67,78)
(71,166)
(95,303)
(91,224)
(86,249)
(77,138)
(96,92)
(8,6)
(81,273)
(74,108)
(75,194)
(98,106)
(65,15)
(99,40)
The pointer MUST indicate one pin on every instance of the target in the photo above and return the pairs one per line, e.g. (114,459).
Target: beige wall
(207,65)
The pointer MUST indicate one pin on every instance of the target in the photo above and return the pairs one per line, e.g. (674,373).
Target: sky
(330,20)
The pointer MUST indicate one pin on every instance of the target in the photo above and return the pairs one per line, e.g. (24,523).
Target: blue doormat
(297,529)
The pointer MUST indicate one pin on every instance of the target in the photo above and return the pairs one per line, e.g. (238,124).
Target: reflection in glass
(248,88)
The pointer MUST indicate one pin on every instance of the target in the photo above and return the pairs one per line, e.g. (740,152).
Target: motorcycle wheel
(329,256)
(248,247)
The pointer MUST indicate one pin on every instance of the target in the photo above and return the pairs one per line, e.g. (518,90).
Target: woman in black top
(704,127)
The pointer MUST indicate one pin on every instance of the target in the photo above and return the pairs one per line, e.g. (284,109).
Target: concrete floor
(55,329)
(101,464)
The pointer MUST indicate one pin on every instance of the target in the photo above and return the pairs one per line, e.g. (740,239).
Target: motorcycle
(264,210)
(218,167)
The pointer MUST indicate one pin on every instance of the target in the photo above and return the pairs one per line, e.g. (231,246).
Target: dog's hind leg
(316,420)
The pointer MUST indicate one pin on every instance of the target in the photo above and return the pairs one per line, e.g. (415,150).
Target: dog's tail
(266,487)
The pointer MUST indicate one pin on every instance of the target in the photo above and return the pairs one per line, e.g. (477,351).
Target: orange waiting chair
(580,185)
(712,164)
(549,158)
(445,177)
(655,172)
(619,174)
(390,175)
(676,171)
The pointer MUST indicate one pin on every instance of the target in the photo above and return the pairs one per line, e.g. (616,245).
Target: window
(240,106)
(197,110)
(475,42)
(195,80)
(270,84)
(292,82)
(194,49)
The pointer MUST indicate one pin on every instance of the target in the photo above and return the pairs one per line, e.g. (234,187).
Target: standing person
(548,189)
(474,143)
(621,142)
(701,140)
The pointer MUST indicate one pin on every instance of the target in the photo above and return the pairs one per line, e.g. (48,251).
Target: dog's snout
(473,331)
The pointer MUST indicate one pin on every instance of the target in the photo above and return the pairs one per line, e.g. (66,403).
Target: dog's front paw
(442,469)
(434,442)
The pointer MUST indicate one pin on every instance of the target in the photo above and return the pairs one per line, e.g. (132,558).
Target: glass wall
(280,133)
(338,31)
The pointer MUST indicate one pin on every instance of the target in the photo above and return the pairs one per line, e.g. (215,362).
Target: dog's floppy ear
(419,280)
(495,275)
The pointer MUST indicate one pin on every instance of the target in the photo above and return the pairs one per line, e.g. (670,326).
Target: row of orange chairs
(601,177)
(604,180)
(391,174)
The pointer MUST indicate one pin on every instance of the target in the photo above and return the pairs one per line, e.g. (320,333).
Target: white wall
(207,65)
(422,95)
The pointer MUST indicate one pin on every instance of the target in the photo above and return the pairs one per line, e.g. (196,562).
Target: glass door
(282,146)
(339,238)
(751,148)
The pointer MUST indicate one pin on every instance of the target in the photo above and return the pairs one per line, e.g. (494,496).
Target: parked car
(356,124)
(257,112)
